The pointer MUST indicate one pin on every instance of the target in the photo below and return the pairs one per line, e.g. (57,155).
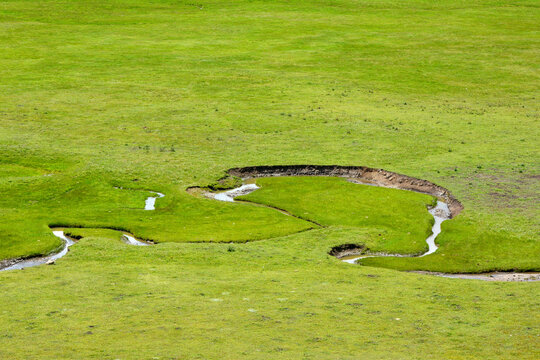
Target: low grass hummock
(399,218)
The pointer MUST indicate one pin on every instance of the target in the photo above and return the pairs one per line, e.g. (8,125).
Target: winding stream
(50,259)
(440,213)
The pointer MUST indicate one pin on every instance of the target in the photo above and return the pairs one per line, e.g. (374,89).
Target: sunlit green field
(398,219)
(399,224)
(104,101)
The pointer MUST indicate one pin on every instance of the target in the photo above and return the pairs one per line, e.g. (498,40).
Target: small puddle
(231,194)
(150,203)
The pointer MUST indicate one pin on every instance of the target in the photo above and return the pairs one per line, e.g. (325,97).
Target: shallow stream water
(45,259)
(150,203)
(440,213)
(231,194)
(128,239)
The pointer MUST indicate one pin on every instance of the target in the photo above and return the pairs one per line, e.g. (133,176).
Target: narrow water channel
(131,240)
(440,213)
(44,259)
(128,239)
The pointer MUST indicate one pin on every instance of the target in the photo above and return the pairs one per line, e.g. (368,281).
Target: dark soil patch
(344,250)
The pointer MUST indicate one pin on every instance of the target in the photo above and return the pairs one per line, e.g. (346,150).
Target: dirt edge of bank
(362,174)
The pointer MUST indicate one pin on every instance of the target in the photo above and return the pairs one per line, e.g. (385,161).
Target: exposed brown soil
(196,190)
(371,176)
(494,276)
(345,250)
(360,174)
(9,262)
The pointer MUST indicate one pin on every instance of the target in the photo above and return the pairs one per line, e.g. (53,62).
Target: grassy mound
(399,218)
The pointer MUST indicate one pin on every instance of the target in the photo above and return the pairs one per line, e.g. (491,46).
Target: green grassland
(102,101)
(400,224)
(398,218)
(81,201)
(280,298)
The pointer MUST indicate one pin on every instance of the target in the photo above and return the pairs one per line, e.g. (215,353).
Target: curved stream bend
(229,195)
(50,259)
(361,174)
(131,240)
(440,213)
(447,205)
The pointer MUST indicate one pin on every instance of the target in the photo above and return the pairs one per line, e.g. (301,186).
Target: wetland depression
(445,208)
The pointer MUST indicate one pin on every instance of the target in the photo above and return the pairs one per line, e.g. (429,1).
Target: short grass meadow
(102,102)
